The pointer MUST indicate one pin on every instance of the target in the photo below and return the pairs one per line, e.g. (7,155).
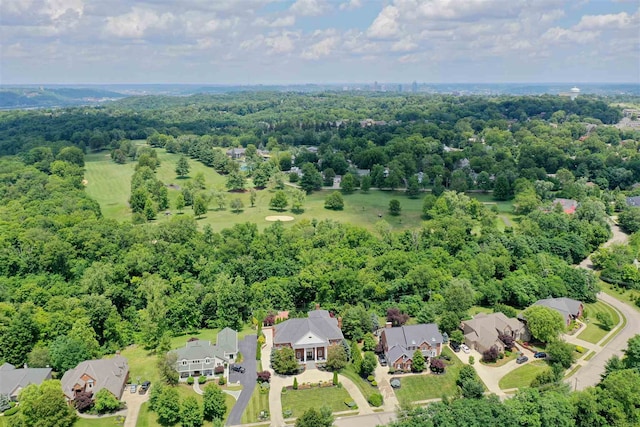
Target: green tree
(413,188)
(544,323)
(72,155)
(236,205)
(213,403)
(315,418)
(418,362)
(17,340)
(180,202)
(365,184)
(283,361)
(348,183)
(252,197)
(167,406)
(311,179)
(631,357)
(44,406)
(65,353)
(336,357)
(167,367)
(369,363)
(149,210)
(560,353)
(236,181)
(334,201)
(298,198)
(279,201)
(369,342)
(200,205)
(394,207)
(329,175)
(502,188)
(356,356)
(191,414)
(182,167)
(629,220)
(106,402)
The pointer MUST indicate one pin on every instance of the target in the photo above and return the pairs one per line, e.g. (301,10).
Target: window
(207,360)
(184,362)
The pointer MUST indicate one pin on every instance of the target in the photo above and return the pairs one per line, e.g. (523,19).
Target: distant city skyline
(250,42)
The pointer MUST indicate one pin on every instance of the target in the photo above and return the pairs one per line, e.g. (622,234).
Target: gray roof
(228,340)
(396,352)
(485,328)
(633,201)
(199,350)
(565,306)
(413,335)
(12,380)
(319,323)
(111,374)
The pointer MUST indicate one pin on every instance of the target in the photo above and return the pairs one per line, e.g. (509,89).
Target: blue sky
(318,41)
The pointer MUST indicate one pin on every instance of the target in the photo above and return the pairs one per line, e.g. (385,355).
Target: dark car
(144,387)
(540,355)
(383,360)
(521,359)
(237,368)
(454,346)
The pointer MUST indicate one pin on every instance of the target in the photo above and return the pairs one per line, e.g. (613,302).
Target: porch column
(315,353)
(304,354)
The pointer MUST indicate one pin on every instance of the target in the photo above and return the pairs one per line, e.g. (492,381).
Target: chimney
(387,325)
(317,306)
(339,322)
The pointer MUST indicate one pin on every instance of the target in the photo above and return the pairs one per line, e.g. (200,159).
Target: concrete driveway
(248,380)
(134,401)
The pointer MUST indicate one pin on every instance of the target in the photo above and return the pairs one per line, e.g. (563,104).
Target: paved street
(248,380)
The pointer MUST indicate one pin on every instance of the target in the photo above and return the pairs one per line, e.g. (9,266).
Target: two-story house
(401,342)
(200,357)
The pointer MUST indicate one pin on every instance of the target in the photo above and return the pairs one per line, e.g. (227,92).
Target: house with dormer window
(401,342)
(91,376)
(200,357)
(309,337)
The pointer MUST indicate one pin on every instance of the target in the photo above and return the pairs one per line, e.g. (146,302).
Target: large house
(570,309)
(200,357)
(309,337)
(13,380)
(569,206)
(94,375)
(483,331)
(400,343)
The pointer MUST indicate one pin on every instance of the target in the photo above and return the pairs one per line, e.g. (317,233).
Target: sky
(318,41)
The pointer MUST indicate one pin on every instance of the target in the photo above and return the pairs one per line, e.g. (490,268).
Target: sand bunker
(85,182)
(279,218)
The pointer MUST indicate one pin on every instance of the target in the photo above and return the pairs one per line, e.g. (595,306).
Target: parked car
(454,346)
(521,359)
(465,348)
(540,355)
(133,388)
(383,360)
(144,387)
(237,368)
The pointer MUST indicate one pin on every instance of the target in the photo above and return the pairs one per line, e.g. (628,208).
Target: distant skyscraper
(414,87)
(375,86)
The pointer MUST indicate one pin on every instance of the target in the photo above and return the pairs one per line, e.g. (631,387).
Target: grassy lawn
(365,386)
(207,334)
(488,200)
(478,309)
(142,364)
(146,418)
(301,400)
(259,402)
(429,386)
(97,422)
(627,296)
(594,331)
(522,376)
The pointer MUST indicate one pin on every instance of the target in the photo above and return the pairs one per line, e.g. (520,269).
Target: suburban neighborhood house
(400,343)
(13,380)
(309,337)
(200,357)
(570,309)
(483,331)
(93,375)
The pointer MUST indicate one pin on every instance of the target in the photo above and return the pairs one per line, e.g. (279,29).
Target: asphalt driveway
(248,380)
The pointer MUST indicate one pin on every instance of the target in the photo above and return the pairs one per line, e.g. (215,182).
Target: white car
(465,348)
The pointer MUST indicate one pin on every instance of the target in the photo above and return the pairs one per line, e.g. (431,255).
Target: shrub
(579,349)
(287,413)
(335,378)
(374,383)
(436,366)
(490,355)
(472,360)
(371,378)
(350,403)
(295,383)
(264,376)
(375,399)
(222,381)
(11,411)
(83,401)
(218,370)
(190,381)
(202,379)
(106,402)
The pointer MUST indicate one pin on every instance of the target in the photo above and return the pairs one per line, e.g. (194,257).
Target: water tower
(574,93)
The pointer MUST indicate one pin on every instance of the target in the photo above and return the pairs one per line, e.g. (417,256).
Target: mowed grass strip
(595,331)
(523,376)
(365,386)
(299,401)
(627,296)
(97,422)
(259,402)
(429,386)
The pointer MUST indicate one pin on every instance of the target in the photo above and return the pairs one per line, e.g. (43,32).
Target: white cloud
(351,5)
(135,23)
(56,8)
(280,44)
(404,45)
(600,22)
(322,48)
(309,7)
(385,26)
(282,21)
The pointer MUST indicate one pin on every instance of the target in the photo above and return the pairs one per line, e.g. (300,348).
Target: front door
(310,354)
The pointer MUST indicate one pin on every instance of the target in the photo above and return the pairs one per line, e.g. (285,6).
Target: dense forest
(74,285)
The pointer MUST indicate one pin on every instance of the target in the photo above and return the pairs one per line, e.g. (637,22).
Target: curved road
(589,374)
